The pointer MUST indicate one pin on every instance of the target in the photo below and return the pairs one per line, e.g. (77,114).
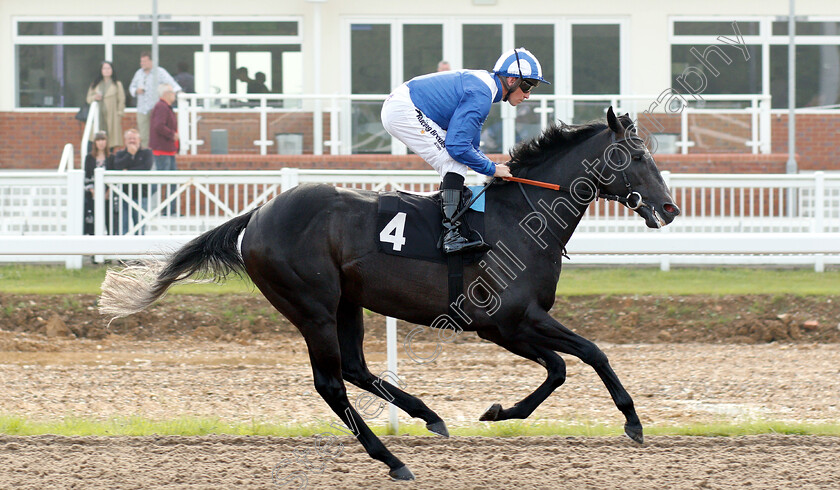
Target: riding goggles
(528,84)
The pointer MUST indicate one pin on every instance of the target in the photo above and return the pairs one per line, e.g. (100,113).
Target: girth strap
(455,265)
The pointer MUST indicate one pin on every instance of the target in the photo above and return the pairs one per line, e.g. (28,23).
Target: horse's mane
(555,142)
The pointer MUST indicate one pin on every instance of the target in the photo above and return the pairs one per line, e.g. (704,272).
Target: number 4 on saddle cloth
(410,225)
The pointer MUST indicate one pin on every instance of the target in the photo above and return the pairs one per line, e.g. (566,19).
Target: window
(164,28)
(596,68)
(47,50)
(539,40)
(817,75)
(780,28)
(738,76)
(482,47)
(422,49)
(817,59)
(713,28)
(59,28)
(370,58)
(48,75)
(255,28)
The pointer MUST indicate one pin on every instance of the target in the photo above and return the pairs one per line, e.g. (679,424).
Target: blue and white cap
(526,66)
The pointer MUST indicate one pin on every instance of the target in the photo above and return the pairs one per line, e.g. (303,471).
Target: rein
(626,200)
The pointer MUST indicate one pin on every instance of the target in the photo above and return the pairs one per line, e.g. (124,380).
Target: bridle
(632,200)
(627,200)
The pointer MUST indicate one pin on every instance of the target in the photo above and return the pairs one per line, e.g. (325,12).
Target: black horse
(312,252)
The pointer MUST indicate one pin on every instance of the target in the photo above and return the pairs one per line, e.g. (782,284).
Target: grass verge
(193,426)
(42,279)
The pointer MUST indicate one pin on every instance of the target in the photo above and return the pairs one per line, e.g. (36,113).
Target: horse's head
(630,171)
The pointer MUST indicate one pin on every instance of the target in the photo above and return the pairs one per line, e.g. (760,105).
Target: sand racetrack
(253,372)
(216,462)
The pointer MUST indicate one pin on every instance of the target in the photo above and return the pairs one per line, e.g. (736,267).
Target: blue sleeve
(464,133)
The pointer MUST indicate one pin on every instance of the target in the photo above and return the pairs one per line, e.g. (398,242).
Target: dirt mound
(616,319)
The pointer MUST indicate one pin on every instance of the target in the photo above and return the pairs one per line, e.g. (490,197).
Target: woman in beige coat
(108,91)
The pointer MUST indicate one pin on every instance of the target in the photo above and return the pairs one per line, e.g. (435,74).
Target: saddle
(410,225)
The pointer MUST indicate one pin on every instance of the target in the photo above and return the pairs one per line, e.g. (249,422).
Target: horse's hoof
(635,433)
(491,414)
(401,474)
(438,428)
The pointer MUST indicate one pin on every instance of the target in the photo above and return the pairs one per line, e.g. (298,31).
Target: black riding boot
(453,242)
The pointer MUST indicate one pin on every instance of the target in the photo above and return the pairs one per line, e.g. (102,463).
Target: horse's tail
(135,287)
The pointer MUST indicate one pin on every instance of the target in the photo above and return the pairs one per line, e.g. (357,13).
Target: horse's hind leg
(354,369)
(317,322)
(556,375)
(545,331)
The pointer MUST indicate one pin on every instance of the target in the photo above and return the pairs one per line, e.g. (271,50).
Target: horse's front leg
(541,329)
(553,364)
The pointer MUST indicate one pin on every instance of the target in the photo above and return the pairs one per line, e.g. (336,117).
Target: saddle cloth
(410,225)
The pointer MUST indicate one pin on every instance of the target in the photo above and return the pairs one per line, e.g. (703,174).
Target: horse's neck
(563,210)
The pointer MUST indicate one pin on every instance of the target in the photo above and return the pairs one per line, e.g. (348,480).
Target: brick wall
(34,140)
(817,140)
(700,163)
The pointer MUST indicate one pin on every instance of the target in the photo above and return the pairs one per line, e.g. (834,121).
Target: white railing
(547,108)
(725,218)
(91,127)
(65,163)
(736,203)
(35,204)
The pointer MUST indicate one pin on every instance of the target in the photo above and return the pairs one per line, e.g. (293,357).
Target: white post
(391,330)
(684,143)
(183,122)
(75,211)
(335,138)
(263,142)
(99,206)
(194,142)
(289,178)
(755,141)
(765,125)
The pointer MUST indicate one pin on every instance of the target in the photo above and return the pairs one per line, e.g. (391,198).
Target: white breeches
(423,136)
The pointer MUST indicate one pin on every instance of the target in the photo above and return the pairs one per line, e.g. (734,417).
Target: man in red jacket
(163,134)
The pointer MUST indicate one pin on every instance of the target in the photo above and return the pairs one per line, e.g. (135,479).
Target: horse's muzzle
(658,216)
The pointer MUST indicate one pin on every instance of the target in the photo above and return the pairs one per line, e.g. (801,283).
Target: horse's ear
(613,121)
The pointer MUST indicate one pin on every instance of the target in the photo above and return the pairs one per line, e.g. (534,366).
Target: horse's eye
(637,158)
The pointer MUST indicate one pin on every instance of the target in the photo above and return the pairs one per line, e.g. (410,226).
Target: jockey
(439,116)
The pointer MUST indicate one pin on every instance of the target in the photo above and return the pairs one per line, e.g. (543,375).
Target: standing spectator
(146,94)
(444,65)
(108,91)
(99,157)
(253,85)
(133,157)
(259,84)
(163,138)
(184,78)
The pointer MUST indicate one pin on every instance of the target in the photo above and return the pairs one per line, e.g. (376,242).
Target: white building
(370,46)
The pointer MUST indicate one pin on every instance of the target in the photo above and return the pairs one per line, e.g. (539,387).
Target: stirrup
(455,243)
